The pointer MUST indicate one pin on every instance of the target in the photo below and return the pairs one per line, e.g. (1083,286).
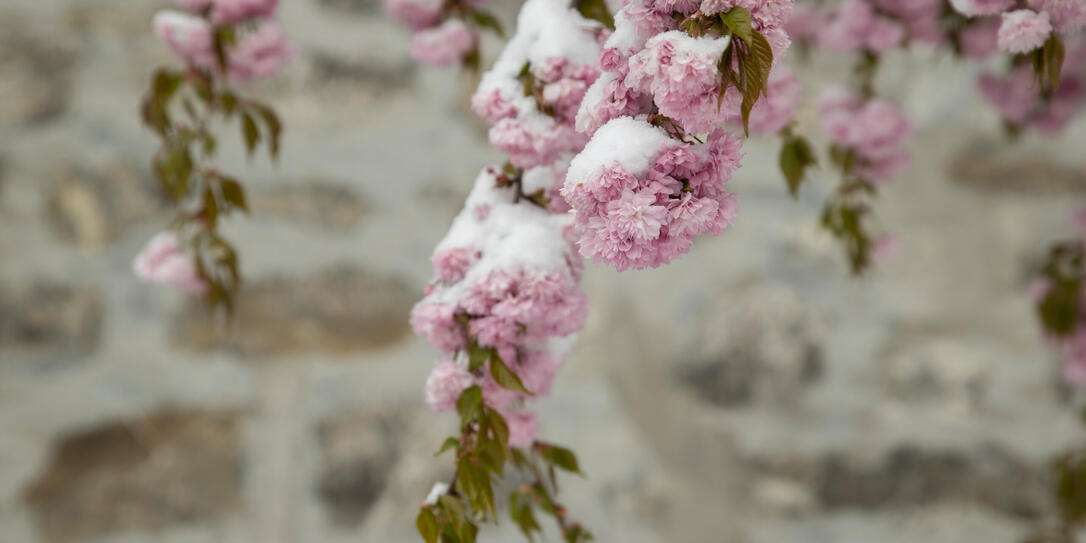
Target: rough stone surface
(750,391)
(340,310)
(91,208)
(312,202)
(52,317)
(146,474)
(359,450)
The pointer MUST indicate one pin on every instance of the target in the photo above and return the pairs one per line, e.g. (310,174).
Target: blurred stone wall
(749,392)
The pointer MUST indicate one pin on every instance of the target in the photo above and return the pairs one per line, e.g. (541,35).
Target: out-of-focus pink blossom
(259,53)
(856,27)
(1067,15)
(188,36)
(980,39)
(523,427)
(1024,30)
(874,129)
(443,45)
(776,110)
(416,14)
(885,248)
(163,262)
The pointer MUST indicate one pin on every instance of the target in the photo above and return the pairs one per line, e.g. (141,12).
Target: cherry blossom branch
(221,42)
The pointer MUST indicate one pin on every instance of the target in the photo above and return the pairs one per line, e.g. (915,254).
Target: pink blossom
(450,265)
(437,323)
(645,220)
(806,23)
(764,13)
(416,14)
(444,45)
(162,261)
(681,74)
(1023,31)
(1067,15)
(259,53)
(445,384)
(523,427)
(228,12)
(492,105)
(187,36)
(775,111)
(874,129)
(980,39)
(856,27)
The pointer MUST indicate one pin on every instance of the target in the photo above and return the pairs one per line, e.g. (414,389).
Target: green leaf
(487,20)
(427,524)
(761,53)
(560,457)
(738,20)
(273,125)
(498,427)
(505,376)
(796,157)
(520,510)
(469,404)
(596,10)
(1059,308)
(250,132)
(233,192)
(478,356)
(450,444)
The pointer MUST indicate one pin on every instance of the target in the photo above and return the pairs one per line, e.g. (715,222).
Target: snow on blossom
(443,45)
(1023,30)
(532,93)
(515,301)
(162,261)
(639,197)
(681,74)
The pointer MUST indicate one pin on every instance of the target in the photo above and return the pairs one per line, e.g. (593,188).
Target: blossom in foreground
(162,261)
(639,197)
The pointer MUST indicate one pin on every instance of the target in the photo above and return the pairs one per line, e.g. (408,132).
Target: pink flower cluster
(1023,30)
(647,63)
(532,93)
(260,49)
(438,38)
(1019,100)
(228,12)
(778,107)
(640,197)
(855,26)
(163,262)
(489,292)
(873,130)
(530,137)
